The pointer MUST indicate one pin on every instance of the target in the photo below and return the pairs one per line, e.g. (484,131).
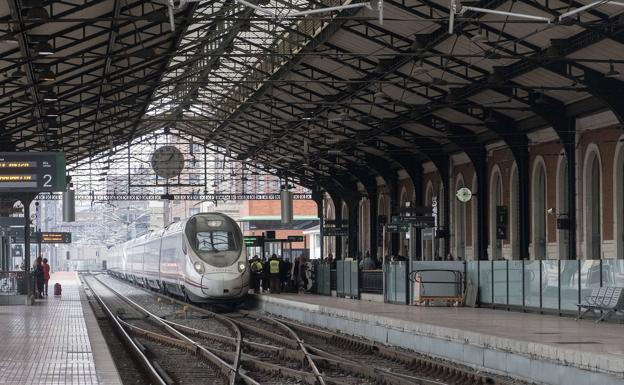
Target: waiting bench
(608,299)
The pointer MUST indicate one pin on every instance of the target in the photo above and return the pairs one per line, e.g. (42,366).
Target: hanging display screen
(32,171)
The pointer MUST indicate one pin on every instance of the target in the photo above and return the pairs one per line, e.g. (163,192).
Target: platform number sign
(501,222)
(32,172)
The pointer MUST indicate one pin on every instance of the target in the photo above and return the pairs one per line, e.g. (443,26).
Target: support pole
(480,164)
(374,224)
(570,149)
(524,218)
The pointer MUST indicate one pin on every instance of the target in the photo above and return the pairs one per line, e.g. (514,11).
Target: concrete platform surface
(544,348)
(55,341)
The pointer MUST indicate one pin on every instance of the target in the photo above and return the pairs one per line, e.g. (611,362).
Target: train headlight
(199,267)
(241,267)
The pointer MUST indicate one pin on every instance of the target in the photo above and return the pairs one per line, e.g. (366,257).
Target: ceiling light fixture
(37,13)
(18,73)
(50,97)
(44,49)
(52,112)
(612,74)
(47,76)
(9,39)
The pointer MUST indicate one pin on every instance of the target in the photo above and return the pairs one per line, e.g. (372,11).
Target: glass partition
(569,285)
(485,281)
(532,286)
(516,288)
(550,285)
(499,271)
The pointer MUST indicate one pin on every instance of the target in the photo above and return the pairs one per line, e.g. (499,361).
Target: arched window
(539,210)
(460,222)
(329,243)
(364,226)
(344,240)
(403,241)
(496,199)
(514,214)
(562,205)
(618,197)
(428,240)
(593,204)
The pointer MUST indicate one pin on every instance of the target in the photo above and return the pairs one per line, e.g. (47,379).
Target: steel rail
(152,372)
(230,371)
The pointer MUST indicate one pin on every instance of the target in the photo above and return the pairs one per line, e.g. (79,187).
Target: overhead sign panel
(254,240)
(335,231)
(418,221)
(32,172)
(53,237)
(295,238)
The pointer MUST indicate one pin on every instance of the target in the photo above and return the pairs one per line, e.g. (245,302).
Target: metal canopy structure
(329,100)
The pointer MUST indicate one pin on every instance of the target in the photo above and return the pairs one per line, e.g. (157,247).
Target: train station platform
(533,347)
(55,341)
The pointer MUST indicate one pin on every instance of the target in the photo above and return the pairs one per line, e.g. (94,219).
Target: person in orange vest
(46,276)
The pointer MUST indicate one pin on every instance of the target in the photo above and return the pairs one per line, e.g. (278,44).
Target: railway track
(250,348)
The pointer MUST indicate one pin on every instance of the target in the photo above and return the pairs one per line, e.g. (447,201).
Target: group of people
(277,274)
(41,271)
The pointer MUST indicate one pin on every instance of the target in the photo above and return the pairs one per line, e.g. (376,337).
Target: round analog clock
(167,162)
(464,194)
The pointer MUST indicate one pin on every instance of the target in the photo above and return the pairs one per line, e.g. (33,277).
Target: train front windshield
(215,239)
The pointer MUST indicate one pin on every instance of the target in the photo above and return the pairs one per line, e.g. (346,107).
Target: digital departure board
(53,237)
(32,171)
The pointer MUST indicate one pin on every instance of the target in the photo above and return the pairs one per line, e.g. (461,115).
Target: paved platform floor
(55,341)
(474,336)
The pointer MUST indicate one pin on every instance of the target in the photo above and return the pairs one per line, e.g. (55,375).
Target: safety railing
(347,279)
(396,283)
(551,286)
(323,279)
(371,281)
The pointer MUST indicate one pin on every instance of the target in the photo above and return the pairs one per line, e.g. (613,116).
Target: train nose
(221,285)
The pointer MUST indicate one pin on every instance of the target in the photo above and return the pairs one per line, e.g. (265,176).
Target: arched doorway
(403,241)
(427,240)
(460,222)
(496,199)
(329,243)
(593,204)
(562,205)
(539,238)
(618,197)
(364,219)
(344,240)
(514,214)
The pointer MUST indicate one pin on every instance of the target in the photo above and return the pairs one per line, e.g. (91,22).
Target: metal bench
(607,299)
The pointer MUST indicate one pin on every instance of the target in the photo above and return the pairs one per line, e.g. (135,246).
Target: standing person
(46,276)
(38,274)
(274,274)
(256,273)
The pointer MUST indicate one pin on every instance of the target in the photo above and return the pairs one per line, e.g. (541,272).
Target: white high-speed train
(202,258)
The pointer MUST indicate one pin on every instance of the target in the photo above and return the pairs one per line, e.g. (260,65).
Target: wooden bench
(607,299)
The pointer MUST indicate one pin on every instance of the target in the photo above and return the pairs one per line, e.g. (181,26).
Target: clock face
(464,194)
(167,162)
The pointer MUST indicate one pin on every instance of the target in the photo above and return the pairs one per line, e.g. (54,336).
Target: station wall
(598,180)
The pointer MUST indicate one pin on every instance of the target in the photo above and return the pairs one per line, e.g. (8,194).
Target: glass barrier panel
(550,285)
(401,288)
(613,272)
(590,277)
(515,282)
(569,280)
(339,278)
(390,285)
(485,282)
(472,274)
(500,282)
(532,288)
